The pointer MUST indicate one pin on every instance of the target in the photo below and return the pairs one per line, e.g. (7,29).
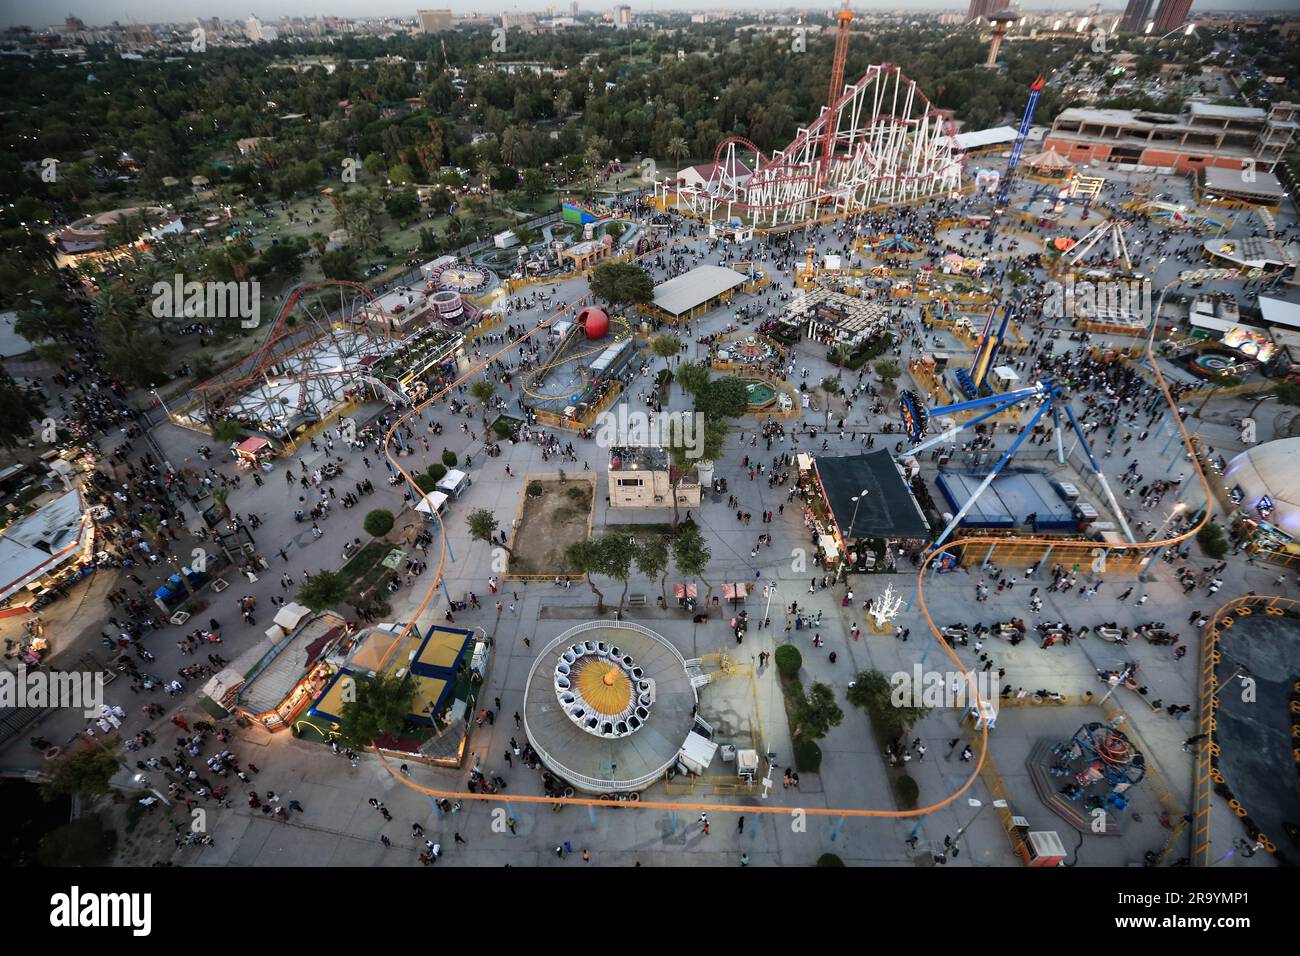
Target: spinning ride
(916,421)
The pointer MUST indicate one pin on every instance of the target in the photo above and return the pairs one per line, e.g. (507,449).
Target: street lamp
(961,831)
(165,409)
(852,521)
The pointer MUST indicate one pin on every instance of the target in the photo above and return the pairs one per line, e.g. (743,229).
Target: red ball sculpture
(595,321)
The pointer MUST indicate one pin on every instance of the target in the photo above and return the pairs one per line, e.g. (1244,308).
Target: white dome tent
(1265,483)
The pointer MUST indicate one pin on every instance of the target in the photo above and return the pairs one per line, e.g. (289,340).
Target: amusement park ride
(878,140)
(1017,148)
(916,421)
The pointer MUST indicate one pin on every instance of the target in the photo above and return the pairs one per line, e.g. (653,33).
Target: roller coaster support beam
(1100,476)
(988,479)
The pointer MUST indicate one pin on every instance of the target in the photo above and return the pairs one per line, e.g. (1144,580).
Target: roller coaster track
(536,374)
(1083,547)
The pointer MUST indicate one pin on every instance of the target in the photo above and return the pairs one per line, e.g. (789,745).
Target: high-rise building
(573,9)
(1171,16)
(434,21)
(623,17)
(73,24)
(1136,15)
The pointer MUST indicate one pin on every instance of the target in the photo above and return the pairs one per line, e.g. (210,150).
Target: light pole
(852,521)
(771,589)
(961,831)
(165,409)
(1146,568)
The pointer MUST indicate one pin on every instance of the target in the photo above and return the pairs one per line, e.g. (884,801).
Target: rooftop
(888,511)
(686,292)
(38,543)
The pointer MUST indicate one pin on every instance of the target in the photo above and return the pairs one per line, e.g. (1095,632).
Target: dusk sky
(36,13)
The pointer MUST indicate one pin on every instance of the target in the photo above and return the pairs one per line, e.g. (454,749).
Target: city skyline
(39,15)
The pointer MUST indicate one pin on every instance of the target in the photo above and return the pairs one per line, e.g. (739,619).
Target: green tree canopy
(323,591)
(622,283)
(379,522)
(379,710)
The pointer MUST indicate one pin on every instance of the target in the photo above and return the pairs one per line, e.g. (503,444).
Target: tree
(652,560)
(379,522)
(534,183)
(693,377)
(1288,392)
(401,204)
(437,471)
(449,458)
(324,590)
(788,660)
(483,526)
(622,283)
(339,264)
(379,710)
(482,391)
(221,498)
(617,554)
(872,691)
(722,398)
(226,430)
(486,169)
(677,148)
(889,372)
(18,409)
(813,715)
(691,554)
(80,773)
(586,558)
(666,345)
(830,385)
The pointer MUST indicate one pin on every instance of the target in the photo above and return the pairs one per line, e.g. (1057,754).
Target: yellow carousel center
(605,687)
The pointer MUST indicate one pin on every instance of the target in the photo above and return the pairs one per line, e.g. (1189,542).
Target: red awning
(734,591)
(685,591)
(251,446)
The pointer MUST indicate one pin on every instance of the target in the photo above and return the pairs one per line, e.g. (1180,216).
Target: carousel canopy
(1049,159)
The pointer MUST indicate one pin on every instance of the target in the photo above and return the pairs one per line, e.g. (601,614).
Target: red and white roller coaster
(879,141)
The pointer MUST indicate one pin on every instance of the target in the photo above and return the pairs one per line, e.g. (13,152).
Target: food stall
(255,452)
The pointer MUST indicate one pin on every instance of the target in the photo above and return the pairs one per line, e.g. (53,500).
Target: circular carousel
(608,705)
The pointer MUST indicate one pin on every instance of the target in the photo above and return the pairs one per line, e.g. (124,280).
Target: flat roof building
(1204,136)
(690,293)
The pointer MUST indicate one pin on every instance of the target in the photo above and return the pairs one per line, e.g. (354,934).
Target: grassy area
(365,572)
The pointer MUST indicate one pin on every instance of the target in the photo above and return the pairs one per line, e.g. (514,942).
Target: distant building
(1136,15)
(73,24)
(1203,137)
(259,32)
(622,17)
(434,21)
(1172,15)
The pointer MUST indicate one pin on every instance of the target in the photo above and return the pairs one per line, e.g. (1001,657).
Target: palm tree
(677,147)
(831,386)
(483,390)
(486,169)
(117,309)
(591,159)
(512,145)
(221,497)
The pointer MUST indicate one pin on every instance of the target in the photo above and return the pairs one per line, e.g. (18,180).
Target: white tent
(431,503)
(290,616)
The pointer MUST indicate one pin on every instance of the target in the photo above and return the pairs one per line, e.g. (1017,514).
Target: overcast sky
(40,13)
